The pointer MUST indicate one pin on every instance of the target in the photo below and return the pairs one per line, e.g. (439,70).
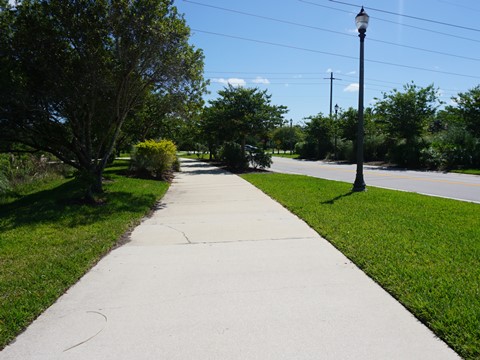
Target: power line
(335,54)
(371,87)
(409,16)
(308,78)
(331,31)
(395,22)
(458,5)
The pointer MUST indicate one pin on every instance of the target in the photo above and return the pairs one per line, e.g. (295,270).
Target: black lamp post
(361,21)
(336,129)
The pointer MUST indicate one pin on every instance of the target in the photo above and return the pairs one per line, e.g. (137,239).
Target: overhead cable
(331,31)
(334,54)
(408,16)
(394,22)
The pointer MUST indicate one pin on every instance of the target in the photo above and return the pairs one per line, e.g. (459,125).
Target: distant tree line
(409,127)
(406,128)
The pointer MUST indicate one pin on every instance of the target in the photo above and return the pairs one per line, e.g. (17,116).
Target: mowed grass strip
(424,250)
(285,155)
(48,240)
(468,171)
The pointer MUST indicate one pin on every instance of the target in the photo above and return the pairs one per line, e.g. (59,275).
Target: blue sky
(319,36)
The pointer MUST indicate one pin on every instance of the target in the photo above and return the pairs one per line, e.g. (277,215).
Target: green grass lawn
(193,156)
(468,171)
(424,250)
(286,155)
(48,240)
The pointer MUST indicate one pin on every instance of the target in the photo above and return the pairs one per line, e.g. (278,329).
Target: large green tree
(405,114)
(468,109)
(319,131)
(73,71)
(404,117)
(286,137)
(240,113)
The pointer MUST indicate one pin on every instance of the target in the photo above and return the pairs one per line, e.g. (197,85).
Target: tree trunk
(93,184)
(97,183)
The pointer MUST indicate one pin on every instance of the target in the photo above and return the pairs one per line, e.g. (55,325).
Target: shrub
(200,149)
(232,156)
(4,183)
(176,164)
(453,148)
(407,153)
(260,159)
(346,150)
(375,147)
(306,150)
(154,158)
(19,169)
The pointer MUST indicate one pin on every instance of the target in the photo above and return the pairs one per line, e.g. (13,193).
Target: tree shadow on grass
(62,206)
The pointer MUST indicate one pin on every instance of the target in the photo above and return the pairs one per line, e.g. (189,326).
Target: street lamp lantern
(336,108)
(361,20)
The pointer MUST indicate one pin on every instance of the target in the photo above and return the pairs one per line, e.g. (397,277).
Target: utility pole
(331,89)
(291,138)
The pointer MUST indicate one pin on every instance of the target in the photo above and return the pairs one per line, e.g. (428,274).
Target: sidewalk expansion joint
(252,240)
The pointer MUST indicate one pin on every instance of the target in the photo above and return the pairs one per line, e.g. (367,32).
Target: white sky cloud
(232,81)
(261,80)
(351,72)
(352,87)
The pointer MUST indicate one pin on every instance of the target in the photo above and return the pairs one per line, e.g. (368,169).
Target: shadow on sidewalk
(197,167)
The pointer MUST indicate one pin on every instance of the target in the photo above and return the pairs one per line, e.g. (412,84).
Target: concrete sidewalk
(221,271)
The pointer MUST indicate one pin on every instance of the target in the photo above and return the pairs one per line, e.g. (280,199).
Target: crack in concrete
(180,231)
(91,337)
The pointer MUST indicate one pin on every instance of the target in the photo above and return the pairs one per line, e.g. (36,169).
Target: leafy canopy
(69,88)
(239,113)
(406,114)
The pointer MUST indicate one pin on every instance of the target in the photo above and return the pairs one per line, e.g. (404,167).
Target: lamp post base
(359,185)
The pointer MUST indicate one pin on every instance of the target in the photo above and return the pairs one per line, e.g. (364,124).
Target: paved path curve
(221,271)
(449,185)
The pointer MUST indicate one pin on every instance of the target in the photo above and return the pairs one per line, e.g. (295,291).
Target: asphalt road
(449,185)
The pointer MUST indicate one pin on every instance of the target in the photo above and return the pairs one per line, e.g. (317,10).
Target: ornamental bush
(232,156)
(154,158)
(260,159)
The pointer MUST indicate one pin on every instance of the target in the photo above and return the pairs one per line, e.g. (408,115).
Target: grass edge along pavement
(424,250)
(49,240)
